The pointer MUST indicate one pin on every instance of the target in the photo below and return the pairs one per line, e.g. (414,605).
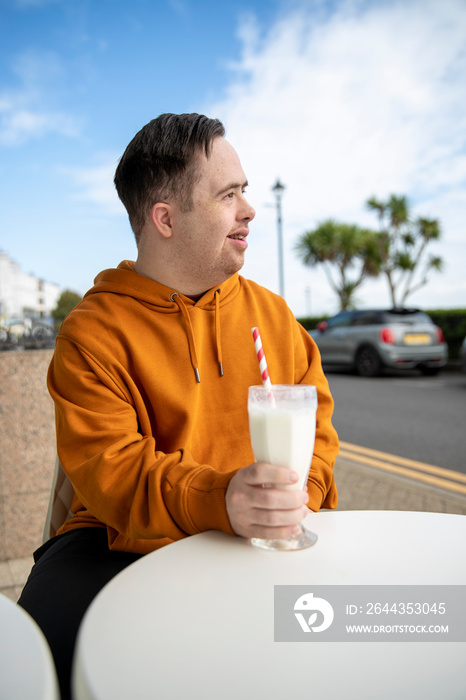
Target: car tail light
(440,336)
(387,336)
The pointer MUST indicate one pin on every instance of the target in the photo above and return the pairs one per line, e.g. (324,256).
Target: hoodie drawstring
(175,297)
(189,332)
(218,336)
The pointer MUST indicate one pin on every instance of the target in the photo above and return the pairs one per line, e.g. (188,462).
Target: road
(421,418)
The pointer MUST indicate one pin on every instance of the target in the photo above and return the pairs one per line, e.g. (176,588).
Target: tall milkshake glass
(282,424)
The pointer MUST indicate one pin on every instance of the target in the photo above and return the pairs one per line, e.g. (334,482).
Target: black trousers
(68,573)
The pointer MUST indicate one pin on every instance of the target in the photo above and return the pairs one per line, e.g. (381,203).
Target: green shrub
(66,302)
(310,322)
(453,324)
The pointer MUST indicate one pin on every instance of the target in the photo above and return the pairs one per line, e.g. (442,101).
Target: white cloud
(19,124)
(24,110)
(368,100)
(95,184)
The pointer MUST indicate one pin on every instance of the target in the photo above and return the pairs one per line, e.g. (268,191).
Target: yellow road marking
(422,466)
(445,478)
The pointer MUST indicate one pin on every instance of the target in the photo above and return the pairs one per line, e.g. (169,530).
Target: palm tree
(427,230)
(395,210)
(342,246)
(402,243)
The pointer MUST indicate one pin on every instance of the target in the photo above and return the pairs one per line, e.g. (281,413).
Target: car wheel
(368,362)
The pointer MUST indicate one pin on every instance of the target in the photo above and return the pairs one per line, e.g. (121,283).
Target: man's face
(209,241)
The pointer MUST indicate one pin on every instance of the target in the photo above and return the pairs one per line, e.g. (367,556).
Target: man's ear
(161,216)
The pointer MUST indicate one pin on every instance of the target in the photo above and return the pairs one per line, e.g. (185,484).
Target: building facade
(24,295)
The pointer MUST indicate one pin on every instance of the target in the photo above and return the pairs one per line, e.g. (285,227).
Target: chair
(27,670)
(59,504)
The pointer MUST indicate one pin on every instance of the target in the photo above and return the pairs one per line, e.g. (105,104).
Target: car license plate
(417,338)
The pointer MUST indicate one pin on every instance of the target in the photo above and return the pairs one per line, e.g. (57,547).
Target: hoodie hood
(157,297)
(124,280)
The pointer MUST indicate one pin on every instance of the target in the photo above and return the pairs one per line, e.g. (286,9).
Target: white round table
(27,671)
(196,618)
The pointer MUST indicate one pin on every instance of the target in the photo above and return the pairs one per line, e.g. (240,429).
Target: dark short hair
(159,163)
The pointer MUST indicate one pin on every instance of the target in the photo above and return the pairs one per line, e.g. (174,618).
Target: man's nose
(248,212)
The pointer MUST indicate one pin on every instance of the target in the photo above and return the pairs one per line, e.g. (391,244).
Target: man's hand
(257,507)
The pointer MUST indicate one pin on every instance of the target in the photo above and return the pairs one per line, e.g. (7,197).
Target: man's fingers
(262,473)
(255,511)
(280,499)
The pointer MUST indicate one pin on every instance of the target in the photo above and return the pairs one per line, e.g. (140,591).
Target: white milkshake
(282,425)
(284,437)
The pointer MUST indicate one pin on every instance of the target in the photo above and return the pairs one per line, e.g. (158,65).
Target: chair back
(59,509)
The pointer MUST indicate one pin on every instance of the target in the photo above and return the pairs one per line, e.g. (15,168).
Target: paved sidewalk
(362,487)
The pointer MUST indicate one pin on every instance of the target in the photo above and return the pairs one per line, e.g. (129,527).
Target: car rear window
(407,317)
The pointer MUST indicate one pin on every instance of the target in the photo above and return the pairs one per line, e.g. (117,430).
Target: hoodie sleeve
(119,476)
(321,482)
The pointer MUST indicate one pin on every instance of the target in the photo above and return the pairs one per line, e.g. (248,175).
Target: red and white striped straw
(261,357)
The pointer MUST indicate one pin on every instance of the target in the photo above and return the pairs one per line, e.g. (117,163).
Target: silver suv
(370,339)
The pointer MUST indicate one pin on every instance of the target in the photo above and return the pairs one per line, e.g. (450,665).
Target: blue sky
(340,100)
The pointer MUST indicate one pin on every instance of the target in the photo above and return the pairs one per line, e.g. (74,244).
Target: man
(150,378)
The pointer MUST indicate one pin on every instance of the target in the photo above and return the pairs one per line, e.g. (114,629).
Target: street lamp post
(277,189)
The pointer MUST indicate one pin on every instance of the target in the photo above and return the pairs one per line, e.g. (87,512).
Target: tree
(344,247)
(402,246)
(66,302)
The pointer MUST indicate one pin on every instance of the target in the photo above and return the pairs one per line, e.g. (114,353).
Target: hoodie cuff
(206,501)
(321,489)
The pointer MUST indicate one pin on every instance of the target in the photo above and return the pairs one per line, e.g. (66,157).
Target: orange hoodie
(148,430)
